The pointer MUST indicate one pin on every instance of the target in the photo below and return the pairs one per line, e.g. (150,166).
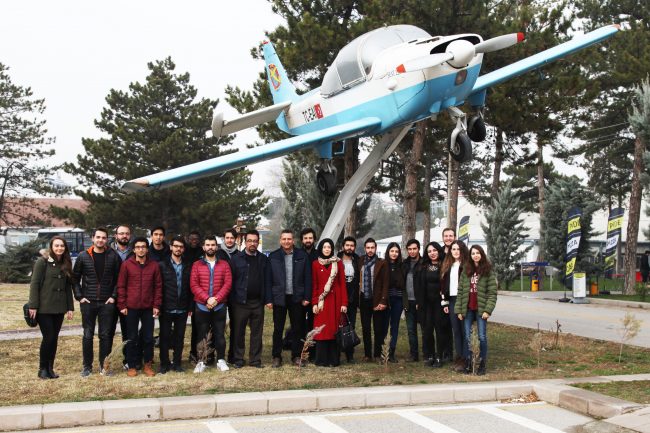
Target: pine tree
(17,262)
(156,126)
(504,233)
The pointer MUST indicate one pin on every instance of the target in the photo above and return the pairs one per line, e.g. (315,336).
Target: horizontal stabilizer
(546,56)
(222,127)
(242,158)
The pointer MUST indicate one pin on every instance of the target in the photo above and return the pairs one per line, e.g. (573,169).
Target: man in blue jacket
(291,288)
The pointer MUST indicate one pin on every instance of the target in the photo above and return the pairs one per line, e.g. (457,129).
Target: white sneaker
(222,366)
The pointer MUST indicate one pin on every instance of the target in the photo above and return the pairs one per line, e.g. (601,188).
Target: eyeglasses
(252,241)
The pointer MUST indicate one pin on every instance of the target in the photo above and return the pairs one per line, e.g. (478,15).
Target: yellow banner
(463,230)
(574,224)
(570,265)
(615,224)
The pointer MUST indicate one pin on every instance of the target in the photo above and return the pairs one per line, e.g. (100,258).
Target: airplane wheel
(476,129)
(326,182)
(461,150)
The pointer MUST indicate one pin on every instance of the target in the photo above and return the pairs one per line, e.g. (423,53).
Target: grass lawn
(12,299)
(510,358)
(637,392)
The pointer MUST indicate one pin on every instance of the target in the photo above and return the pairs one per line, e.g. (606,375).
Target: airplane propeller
(460,52)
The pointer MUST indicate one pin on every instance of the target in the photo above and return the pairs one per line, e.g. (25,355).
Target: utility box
(580,288)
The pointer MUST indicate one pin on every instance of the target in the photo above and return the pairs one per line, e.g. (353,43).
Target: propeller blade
(424,62)
(499,43)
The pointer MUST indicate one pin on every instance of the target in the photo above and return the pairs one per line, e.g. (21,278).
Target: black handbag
(346,336)
(30,322)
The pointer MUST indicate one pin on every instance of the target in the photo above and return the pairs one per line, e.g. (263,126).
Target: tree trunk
(498,160)
(426,223)
(411,163)
(452,193)
(634,214)
(540,195)
(351,163)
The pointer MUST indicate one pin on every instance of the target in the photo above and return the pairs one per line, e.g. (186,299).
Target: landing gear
(476,128)
(459,144)
(326,178)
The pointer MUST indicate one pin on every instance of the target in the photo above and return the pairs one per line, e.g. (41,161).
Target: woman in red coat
(329,300)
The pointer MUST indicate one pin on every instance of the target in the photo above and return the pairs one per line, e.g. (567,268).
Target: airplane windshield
(354,61)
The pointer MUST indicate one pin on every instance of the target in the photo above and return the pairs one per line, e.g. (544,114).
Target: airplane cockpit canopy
(354,61)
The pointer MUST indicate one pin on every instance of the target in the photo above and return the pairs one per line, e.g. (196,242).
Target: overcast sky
(72,52)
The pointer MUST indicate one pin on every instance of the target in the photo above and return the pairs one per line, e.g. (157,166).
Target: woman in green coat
(50,298)
(477,297)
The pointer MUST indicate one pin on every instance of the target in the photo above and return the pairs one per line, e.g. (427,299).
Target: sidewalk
(554,391)
(554,295)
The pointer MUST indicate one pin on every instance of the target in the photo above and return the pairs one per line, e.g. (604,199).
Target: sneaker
(238,364)
(132,372)
(148,370)
(105,372)
(222,366)
(125,365)
(178,368)
(164,368)
(87,371)
(277,362)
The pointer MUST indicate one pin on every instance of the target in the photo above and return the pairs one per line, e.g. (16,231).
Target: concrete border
(554,391)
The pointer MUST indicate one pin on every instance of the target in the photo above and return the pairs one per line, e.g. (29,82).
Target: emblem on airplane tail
(274,75)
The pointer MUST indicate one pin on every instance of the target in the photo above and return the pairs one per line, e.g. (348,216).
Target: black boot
(50,370)
(481,368)
(391,356)
(42,371)
(468,366)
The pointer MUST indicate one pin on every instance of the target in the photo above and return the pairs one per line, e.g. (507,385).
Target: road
(588,320)
(471,418)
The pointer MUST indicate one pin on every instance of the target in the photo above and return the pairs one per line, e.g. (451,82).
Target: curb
(598,301)
(554,391)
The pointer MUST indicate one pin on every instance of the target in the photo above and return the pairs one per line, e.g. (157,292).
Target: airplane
(380,84)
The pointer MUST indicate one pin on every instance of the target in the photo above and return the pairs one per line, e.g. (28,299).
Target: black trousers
(368,316)
(296,319)
(172,336)
(134,319)
(214,321)
(327,353)
(352,315)
(50,326)
(434,337)
(250,314)
(104,315)
(194,339)
(232,342)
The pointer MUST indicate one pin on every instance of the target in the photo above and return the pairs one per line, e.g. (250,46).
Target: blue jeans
(456,329)
(481,324)
(396,304)
(412,329)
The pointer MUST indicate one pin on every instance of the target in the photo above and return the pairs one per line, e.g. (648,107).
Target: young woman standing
(396,280)
(329,301)
(477,297)
(452,268)
(429,305)
(50,298)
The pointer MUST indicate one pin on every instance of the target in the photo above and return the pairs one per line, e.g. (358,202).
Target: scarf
(367,276)
(328,285)
(232,250)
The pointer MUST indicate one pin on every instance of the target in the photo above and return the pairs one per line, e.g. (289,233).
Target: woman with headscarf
(329,302)
(429,305)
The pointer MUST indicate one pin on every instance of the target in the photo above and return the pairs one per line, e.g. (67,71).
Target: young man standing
(211,282)
(411,268)
(251,290)
(193,250)
(139,298)
(373,298)
(351,265)
(448,236)
(226,251)
(291,288)
(96,273)
(159,250)
(176,305)
(122,242)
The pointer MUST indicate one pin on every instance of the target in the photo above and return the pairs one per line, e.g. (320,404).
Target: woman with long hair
(329,301)
(477,297)
(396,282)
(50,298)
(429,305)
(452,268)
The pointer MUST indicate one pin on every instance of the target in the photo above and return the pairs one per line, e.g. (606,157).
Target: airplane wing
(224,127)
(522,66)
(242,158)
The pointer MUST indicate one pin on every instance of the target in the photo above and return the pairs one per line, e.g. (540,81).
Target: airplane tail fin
(281,87)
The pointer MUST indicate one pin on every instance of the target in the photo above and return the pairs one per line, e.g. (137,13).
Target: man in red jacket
(139,297)
(210,282)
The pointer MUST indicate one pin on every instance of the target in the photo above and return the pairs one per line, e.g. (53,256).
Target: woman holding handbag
(329,301)
(50,298)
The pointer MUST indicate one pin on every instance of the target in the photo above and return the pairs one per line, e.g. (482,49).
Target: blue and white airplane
(381,83)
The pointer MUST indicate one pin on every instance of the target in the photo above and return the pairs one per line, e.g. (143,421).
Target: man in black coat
(291,289)
(351,265)
(176,305)
(645,266)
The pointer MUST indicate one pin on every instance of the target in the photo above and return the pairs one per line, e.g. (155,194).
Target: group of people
(133,282)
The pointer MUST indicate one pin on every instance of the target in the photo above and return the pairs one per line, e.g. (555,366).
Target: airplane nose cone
(463,52)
